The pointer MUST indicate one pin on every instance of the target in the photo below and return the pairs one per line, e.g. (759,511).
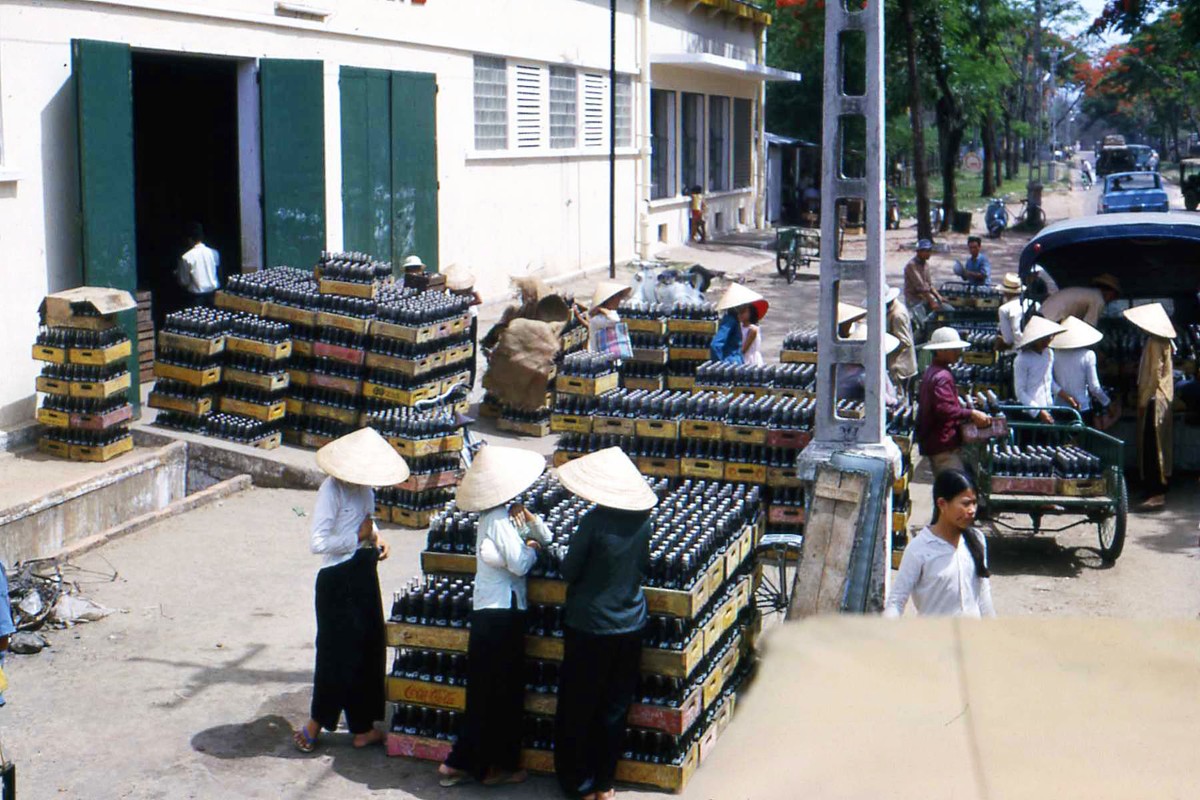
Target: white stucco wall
(504,216)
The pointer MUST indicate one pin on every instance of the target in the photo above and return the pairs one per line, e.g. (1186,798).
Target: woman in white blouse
(351,642)
(507,539)
(944,569)
(1075,368)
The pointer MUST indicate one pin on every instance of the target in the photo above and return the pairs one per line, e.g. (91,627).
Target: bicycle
(1029,217)
(805,248)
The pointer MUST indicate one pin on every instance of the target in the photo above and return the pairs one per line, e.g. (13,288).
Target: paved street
(192,689)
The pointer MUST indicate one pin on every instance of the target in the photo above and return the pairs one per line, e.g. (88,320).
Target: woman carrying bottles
(507,540)
(351,643)
(603,318)
(605,566)
(727,344)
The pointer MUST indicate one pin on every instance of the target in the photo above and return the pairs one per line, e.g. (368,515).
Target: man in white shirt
(1012,313)
(1085,302)
(1075,367)
(1033,368)
(199,268)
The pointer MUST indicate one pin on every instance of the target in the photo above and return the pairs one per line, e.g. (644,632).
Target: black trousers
(351,645)
(596,685)
(474,348)
(490,737)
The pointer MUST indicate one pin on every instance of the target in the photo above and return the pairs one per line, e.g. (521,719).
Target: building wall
(499,214)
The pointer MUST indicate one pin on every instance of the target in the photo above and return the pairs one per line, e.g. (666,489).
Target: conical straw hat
(738,295)
(606,290)
(363,458)
(1152,319)
(608,478)
(849,313)
(859,334)
(1037,329)
(1078,334)
(945,338)
(497,475)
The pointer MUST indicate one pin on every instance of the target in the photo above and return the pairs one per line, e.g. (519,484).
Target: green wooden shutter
(293,161)
(366,106)
(414,167)
(103,74)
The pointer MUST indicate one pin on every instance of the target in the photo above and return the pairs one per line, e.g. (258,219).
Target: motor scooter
(892,220)
(996,217)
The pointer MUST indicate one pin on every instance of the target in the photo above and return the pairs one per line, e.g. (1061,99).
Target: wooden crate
(402,745)
(457,354)
(675,721)
(537,429)
(423,333)
(709,469)
(191,344)
(347,416)
(338,383)
(100,356)
(348,289)
(403,634)
(545,648)
(701,429)
(53,418)
(655,326)
(246,305)
(295,406)
(302,347)
(51,355)
(337,352)
(426,693)
(343,322)
(715,682)
(416,448)
(433,480)
(101,422)
(107,452)
(188,375)
(451,381)
(563,456)
(572,384)
(716,578)
(267,412)
(405,397)
(296,316)
(651,355)
(803,394)
(547,591)
(272,382)
(1082,487)
(788,516)
(101,389)
(198,407)
(691,326)
(408,518)
(792,439)
(567,423)
(617,426)
(658,467)
(649,384)
(433,561)
(741,472)
(688,353)
(981,357)
(406,366)
(674,663)
(681,383)
(274,352)
(783,477)
(1003,484)
(657,428)
(745,434)
(798,356)
(900,520)
(54,448)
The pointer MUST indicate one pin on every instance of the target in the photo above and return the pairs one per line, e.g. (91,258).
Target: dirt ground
(192,689)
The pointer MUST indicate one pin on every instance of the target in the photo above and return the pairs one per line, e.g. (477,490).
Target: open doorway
(185,145)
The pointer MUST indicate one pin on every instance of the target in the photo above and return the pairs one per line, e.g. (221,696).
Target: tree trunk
(924,229)
(991,169)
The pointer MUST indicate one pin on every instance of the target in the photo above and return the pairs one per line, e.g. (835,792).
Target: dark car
(1133,191)
(1115,159)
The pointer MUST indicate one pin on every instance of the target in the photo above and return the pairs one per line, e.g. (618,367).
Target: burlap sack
(520,367)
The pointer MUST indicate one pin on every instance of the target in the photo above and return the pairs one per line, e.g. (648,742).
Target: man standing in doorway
(978,269)
(939,413)
(199,268)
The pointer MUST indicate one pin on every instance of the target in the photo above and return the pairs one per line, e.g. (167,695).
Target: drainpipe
(760,160)
(644,133)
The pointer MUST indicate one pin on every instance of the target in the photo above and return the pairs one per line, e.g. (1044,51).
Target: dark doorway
(185,145)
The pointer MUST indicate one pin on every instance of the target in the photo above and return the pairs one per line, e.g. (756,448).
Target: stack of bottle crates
(85,380)
(188,367)
(431,443)
(647,324)
(698,641)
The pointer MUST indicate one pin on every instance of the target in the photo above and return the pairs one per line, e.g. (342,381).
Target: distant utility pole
(1035,161)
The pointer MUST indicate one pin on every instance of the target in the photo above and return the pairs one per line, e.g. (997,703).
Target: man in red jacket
(939,413)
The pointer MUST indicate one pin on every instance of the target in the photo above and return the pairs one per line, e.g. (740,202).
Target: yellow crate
(566,423)
(702,468)
(740,472)
(691,326)
(267,412)
(198,407)
(100,389)
(271,382)
(343,322)
(105,453)
(571,384)
(348,289)
(426,693)
(655,326)
(415,448)
(52,385)
(53,418)
(274,352)
(191,344)
(100,356)
(408,518)
(406,397)
(53,448)
(689,353)
(297,316)
(701,429)
(231,302)
(401,634)
(657,428)
(659,467)
(746,434)
(617,426)
(681,383)
(188,375)
(798,356)
(52,355)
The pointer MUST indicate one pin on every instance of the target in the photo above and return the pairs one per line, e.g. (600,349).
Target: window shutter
(595,108)
(531,103)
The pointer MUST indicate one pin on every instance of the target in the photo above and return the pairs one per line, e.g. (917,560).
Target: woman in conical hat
(507,540)
(1033,368)
(602,314)
(742,306)
(605,567)
(1156,394)
(351,643)
(1075,368)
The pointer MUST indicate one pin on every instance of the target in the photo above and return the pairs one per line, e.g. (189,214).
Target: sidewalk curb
(219,491)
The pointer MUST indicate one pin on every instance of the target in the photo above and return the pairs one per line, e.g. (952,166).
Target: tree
(908,22)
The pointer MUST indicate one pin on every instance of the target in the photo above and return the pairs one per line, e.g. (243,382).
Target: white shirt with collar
(340,510)
(1033,378)
(1075,372)
(198,269)
(941,580)
(503,559)
(1011,315)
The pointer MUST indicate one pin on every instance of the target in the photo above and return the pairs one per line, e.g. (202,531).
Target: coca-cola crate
(1019,484)
(797,440)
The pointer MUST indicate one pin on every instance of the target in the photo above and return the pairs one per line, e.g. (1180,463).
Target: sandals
(373,737)
(449,776)
(303,741)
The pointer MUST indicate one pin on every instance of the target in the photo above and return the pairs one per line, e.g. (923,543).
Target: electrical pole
(612,140)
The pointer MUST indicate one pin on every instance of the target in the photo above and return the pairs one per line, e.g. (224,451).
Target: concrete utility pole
(1035,161)
(833,433)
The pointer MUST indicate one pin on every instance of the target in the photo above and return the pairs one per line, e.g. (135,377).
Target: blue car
(1133,191)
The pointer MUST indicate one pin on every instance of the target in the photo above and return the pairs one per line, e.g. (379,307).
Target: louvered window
(743,138)
(563,102)
(624,111)
(531,105)
(718,144)
(662,144)
(692,153)
(595,106)
(491,103)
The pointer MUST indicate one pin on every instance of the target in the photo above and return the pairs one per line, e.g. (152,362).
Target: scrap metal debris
(43,598)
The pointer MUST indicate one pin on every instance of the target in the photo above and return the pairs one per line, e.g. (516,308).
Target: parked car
(1133,191)
(1114,159)
(1144,157)
(1189,182)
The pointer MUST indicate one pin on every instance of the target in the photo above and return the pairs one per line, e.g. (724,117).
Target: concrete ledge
(24,435)
(212,460)
(213,493)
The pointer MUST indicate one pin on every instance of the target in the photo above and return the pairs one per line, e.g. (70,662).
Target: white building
(472,132)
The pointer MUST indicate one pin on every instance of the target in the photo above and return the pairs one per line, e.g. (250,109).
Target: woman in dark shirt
(605,567)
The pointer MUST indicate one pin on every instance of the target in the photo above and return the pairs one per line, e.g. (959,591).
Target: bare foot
(362,740)
(497,777)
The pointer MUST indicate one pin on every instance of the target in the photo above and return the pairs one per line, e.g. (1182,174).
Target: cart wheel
(1112,528)
(780,260)
(790,268)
